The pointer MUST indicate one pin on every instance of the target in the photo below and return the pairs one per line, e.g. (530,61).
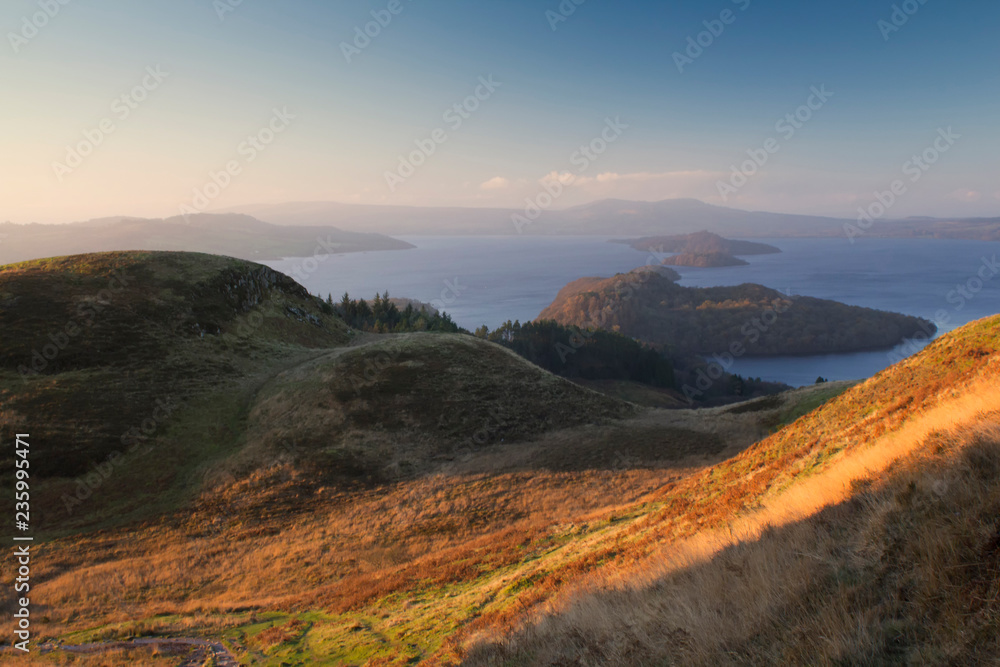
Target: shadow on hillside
(906,571)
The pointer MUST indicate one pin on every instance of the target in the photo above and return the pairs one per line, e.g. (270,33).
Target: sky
(113,107)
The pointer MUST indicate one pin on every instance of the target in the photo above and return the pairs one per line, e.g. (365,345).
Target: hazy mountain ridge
(608,217)
(233,235)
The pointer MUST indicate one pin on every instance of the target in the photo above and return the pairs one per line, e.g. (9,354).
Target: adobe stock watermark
(562,13)
(899,17)
(787,127)
(32,25)
(122,108)
(451,293)
(752,331)
(959,297)
(580,336)
(224,7)
(581,159)
(133,439)
(363,35)
(454,117)
(714,28)
(322,251)
(914,169)
(87,312)
(248,151)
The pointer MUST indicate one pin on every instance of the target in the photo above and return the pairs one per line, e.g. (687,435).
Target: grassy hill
(712,320)
(433,499)
(401,405)
(106,356)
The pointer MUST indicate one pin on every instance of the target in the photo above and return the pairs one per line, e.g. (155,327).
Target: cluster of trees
(384,316)
(588,354)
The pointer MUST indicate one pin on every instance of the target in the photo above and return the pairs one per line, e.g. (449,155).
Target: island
(703,242)
(746,319)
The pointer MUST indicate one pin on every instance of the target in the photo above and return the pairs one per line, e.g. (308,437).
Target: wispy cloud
(495,183)
(640,185)
(966,195)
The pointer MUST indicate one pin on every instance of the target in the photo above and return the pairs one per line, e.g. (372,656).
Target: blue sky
(225,73)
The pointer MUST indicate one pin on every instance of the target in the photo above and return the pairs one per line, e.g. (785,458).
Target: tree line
(384,316)
(588,354)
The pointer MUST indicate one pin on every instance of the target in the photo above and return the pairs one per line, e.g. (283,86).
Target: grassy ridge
(132,370)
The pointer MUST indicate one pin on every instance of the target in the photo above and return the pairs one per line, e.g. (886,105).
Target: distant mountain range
(234,235)
(608,217)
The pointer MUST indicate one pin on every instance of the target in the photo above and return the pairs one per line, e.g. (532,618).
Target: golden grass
(277,541)
(424,568)
(892,555)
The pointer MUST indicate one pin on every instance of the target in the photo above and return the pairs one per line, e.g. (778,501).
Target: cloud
(643,185)
(965,195)
(495,183)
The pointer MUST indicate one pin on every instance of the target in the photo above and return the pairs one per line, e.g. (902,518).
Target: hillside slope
(440,568)
(748,319)
(401,405)
(865,533)
(103,354)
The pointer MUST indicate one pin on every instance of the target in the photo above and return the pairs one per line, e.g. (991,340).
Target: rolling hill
(318,497)
(103,351)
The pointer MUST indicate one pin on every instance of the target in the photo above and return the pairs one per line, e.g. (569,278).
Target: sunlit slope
(865,533)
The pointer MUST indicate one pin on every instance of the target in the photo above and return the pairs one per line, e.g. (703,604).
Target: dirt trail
(200,649)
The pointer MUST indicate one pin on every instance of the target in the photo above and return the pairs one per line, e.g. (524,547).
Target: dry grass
(906,570)
(277,540)
(111,658)
(418,569)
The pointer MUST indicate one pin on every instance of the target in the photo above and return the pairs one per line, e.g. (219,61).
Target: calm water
(489,280)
